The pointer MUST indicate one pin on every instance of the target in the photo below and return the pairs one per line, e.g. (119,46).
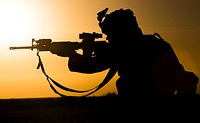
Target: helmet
(118,22)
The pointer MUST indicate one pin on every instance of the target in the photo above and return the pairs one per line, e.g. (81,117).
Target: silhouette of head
(120,23)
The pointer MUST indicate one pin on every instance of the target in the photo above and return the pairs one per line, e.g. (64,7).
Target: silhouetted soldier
(146,66)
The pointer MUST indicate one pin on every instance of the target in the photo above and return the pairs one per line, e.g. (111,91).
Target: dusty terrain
(97,110)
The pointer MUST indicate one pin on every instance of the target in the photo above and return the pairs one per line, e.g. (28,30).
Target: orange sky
(176,21)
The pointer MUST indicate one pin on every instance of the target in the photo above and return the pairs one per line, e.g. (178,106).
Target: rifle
(88,44)
(89,47)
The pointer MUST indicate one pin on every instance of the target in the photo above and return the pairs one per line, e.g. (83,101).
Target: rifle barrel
(22,47)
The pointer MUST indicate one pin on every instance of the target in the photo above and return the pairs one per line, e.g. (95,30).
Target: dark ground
(98,110)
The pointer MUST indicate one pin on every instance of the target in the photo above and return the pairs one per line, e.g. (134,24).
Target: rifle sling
(107,78)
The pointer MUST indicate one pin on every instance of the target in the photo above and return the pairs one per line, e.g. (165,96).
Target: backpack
(169,76)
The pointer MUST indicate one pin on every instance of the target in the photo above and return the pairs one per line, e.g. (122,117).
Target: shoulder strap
(108,77)
(112,71)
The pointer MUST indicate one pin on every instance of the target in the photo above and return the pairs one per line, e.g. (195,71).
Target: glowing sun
(14,23)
